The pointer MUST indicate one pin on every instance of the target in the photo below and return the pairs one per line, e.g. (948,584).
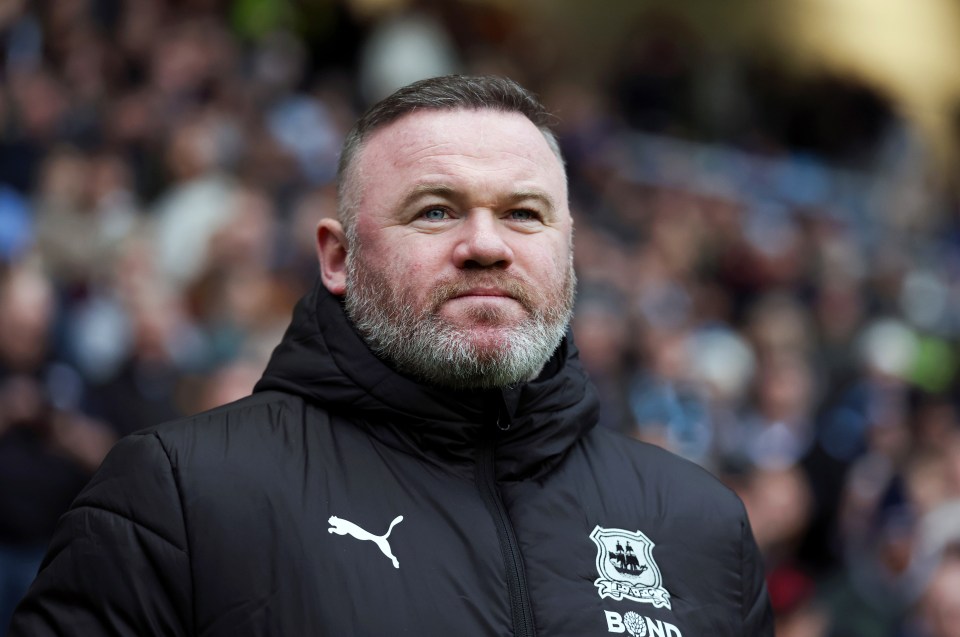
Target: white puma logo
(345,527)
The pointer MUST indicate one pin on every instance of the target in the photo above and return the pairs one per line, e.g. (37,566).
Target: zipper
(521,609)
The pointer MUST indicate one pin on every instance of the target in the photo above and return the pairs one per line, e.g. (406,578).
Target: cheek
(413,282)
(409,263)
(402,270)
(549,264)
(417,263)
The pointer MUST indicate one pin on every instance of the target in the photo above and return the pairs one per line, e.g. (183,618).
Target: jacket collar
(324,360)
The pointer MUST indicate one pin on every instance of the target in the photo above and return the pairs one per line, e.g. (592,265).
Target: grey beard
(422,344)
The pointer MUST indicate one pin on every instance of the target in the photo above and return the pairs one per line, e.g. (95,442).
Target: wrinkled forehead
(482,135)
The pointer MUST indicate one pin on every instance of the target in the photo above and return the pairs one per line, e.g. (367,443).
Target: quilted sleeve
(756,610)
(118,563)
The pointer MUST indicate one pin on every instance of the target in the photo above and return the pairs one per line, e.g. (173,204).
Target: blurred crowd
(769,271)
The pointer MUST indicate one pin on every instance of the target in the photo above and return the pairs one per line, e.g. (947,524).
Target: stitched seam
(175,475)
(98,507)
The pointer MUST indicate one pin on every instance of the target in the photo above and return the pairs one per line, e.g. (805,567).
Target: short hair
(447,92)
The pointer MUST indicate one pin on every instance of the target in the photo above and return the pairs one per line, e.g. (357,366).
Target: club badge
(626,567)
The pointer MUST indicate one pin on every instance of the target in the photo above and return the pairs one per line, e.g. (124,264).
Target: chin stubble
(423,344)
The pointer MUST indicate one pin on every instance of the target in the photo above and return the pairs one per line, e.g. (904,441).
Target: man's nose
(482,243)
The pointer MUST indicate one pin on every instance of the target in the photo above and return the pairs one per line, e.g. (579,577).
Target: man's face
(460,264)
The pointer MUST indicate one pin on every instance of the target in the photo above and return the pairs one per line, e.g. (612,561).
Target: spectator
(48,447)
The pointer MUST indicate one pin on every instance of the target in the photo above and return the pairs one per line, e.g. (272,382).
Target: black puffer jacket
(344,499)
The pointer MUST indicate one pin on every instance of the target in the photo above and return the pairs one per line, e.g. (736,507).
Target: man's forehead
(427,130)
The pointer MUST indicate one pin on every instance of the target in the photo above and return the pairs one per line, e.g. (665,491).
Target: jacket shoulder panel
(118,562)
(238,432)
(136,482)
(659,477)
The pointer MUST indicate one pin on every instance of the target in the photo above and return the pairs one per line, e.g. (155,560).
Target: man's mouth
(484,291)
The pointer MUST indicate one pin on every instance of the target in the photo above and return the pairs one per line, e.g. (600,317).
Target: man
(420,456)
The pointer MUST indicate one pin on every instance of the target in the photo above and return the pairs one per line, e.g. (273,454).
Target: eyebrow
(448,192)
(421,190)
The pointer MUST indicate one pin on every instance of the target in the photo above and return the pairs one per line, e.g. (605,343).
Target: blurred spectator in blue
(669,407)
(16,225)
(777,431)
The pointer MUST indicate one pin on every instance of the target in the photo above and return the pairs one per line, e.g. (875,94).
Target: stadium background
(768,244)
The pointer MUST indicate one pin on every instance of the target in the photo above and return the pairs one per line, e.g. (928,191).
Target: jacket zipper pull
(503,420)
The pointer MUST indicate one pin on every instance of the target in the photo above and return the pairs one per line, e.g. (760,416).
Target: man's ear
(332,254)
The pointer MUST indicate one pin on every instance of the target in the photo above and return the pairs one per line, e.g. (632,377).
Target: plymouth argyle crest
(626,567)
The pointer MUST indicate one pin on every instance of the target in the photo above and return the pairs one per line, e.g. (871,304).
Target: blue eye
(434,214)
(522,215)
